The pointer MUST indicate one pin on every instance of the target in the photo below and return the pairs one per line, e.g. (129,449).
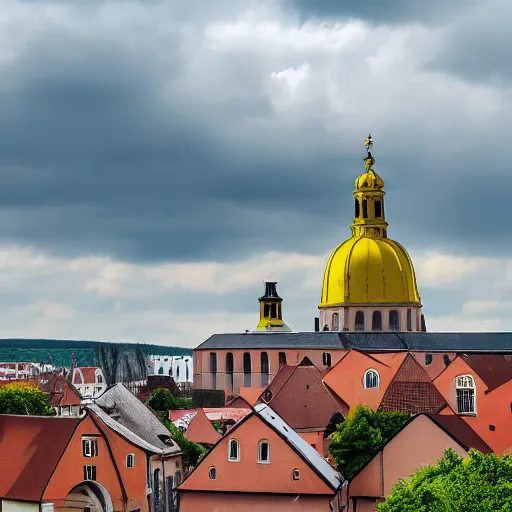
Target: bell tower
(271,310)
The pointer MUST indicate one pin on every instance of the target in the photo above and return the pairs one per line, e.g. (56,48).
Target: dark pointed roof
(300,397)
(412,391)
(493,369)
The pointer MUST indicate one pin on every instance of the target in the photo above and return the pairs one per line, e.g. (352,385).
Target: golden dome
(365,270)
(369,268)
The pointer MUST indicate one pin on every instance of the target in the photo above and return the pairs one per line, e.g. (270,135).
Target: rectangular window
(466,401)
(130,460)
(89,447)
(89,472)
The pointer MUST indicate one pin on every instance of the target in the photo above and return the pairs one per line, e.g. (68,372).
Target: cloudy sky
(160,159)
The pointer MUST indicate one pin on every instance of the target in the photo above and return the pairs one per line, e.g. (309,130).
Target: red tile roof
(251,394)
(301,399)
(494,370)
(30,449)
(412,391)
(461,432)
(200,430)
(88,373)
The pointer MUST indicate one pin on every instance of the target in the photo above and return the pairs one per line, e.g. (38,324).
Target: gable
(412,391)
(248,475)
(200,430)
(303,401)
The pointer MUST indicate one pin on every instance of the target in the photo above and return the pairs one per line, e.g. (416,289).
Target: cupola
(271,310)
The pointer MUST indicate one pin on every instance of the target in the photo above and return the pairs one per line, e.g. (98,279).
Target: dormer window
(234,450)
(371,379)
(99,379)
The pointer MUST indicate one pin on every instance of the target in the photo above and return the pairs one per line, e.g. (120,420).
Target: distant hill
(36,350)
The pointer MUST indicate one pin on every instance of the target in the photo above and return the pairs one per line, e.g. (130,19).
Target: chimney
(317,324)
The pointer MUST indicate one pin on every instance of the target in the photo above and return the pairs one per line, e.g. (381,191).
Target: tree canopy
(479,482)
(163,400)
(361,434)
(25,399)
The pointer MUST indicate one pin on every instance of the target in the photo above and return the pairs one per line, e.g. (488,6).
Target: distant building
(180,368)
(89,381)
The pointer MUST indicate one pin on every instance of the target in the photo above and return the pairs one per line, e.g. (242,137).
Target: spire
(369,219)
(271,310)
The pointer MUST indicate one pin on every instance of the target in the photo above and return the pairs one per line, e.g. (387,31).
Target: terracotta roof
(461,432)
(494,370)
(70,395)
(30,449)
(239,402)
(200,430)
(87,372)
(412,391)
(282,375)
(302,400)
(251,394)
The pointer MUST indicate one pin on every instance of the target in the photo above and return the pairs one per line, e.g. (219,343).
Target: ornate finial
(368,160)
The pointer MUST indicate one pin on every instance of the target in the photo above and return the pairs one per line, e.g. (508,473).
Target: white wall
(175,366)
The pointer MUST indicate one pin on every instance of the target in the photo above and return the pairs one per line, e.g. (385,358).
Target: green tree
(163,400)
(479,482)
(25,399)
(361,434)
(192,452)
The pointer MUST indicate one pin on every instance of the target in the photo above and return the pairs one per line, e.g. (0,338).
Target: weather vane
(369,160)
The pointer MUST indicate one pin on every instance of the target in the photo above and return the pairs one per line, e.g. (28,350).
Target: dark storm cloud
(106,148)
(377,11)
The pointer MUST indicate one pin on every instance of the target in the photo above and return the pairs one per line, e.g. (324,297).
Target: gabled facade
(424,440)
(298,395)
(261,462)
(90,381)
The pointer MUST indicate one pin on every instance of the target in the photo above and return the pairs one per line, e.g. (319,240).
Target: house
(261,464)
(52,463)
(89,381)
(125,414)
(424,440)
(478,387)
(299,396)
(66,400)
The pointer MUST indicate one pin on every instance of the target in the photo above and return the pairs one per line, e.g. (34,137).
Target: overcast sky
(160,159)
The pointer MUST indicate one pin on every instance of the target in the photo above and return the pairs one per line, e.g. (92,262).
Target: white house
(89,381)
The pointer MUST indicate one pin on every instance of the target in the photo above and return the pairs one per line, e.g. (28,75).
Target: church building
(369,302)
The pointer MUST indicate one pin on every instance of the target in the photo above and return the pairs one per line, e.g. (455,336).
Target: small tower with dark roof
(271,310)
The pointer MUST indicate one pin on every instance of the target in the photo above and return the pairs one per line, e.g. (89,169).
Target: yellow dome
(365,270)
(369,181)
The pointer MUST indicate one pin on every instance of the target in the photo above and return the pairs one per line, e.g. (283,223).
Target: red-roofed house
(375,480)
(89,381)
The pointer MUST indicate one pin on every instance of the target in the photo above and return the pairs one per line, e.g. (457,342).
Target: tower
(369,281)
(271,310)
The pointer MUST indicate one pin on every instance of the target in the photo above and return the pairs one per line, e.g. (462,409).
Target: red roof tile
(88,373)
(200,430)
(494,370)
(30,449)
(461,432)
(412,391)
(302,400)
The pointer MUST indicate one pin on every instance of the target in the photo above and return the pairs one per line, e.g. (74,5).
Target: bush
(163,400)
(481,482)
(360,436)
(25,399)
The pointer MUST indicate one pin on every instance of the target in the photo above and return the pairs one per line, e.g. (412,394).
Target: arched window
(213,369)
(296,474)
(357,210)
(335,321)
(282,359)
(263,452)
(230,367)
(394,321)
(365,209)
(376,321)
(409,320)
(177,371)
(371,379)
(423,324)
(233,450)
(170,372)
(359,321)
(187,370)
(160,371)
(212,473)
(378,209)
(265,369)
(99,378)
(326,359)
(465,390)
(247,369)
(130,460)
